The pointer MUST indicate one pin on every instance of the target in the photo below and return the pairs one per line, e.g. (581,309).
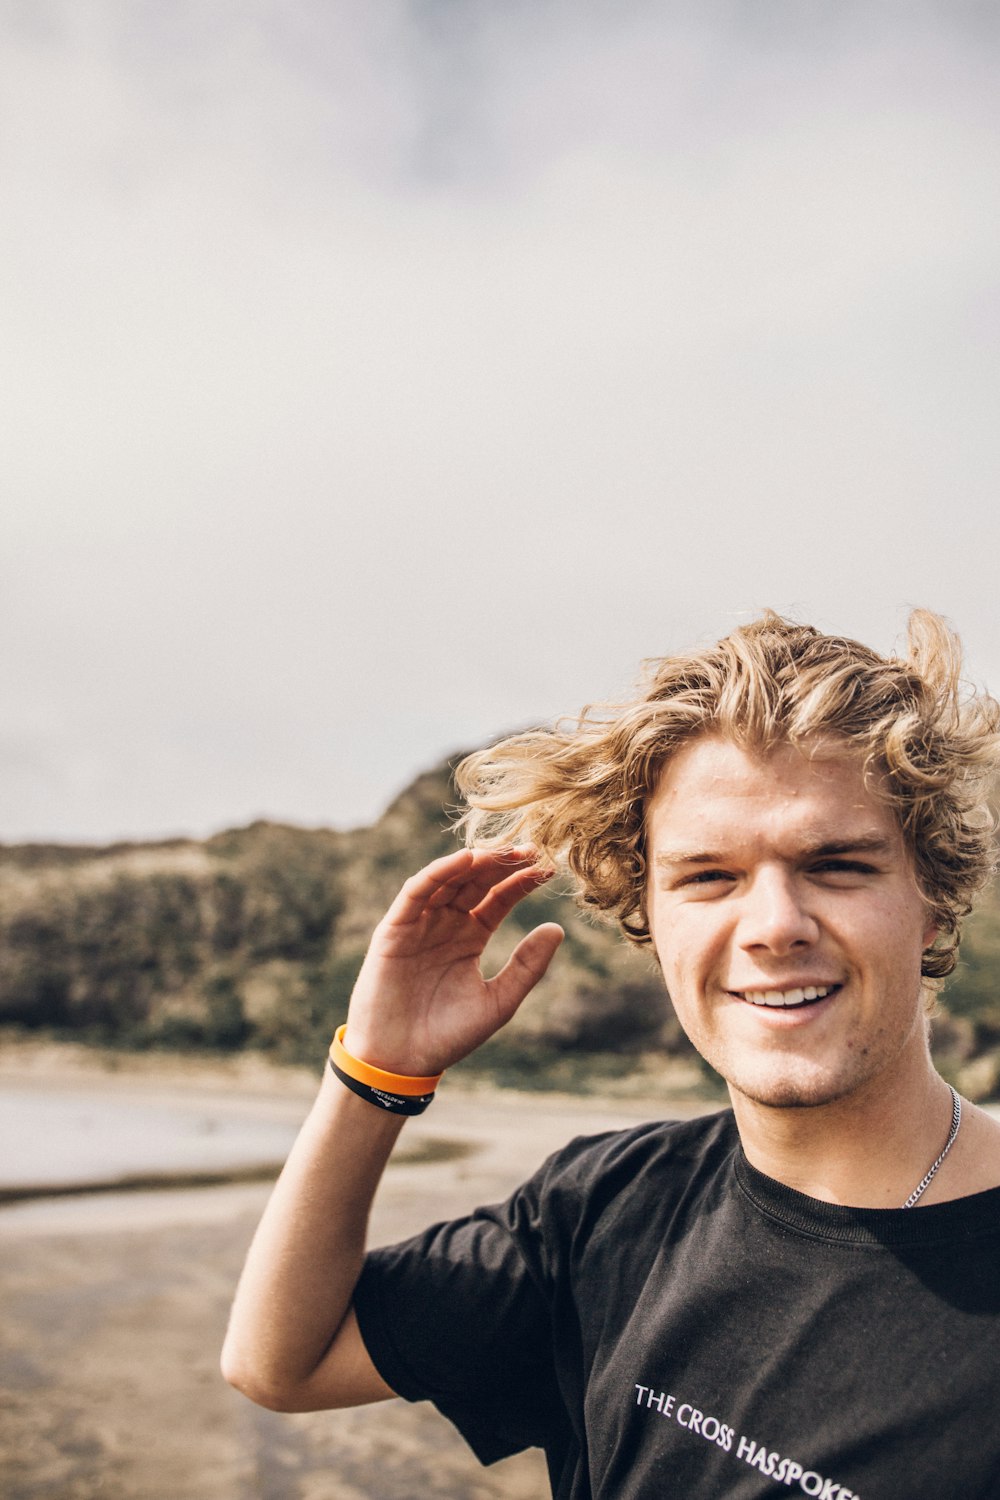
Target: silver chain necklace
(956,1120)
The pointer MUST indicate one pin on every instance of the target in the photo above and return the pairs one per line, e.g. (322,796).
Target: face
(787,921)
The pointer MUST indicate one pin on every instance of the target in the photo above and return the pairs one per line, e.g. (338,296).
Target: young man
(800,1295)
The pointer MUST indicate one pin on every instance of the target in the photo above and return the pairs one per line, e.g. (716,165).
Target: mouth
(793,999)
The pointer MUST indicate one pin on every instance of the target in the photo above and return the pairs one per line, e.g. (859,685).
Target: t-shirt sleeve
(459,1315)
(481,1315)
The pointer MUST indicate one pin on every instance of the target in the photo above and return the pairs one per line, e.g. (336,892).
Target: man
(738,1306)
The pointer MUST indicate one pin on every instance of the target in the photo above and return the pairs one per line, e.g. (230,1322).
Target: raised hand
(421,1002)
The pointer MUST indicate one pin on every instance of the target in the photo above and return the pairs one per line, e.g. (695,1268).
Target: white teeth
(787,997)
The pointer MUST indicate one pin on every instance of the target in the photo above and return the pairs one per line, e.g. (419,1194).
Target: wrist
(389,1047)
(398,1093)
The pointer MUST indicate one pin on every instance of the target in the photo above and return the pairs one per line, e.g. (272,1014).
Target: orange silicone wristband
(378,1078)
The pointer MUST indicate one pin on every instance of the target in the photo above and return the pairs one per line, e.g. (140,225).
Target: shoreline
(225,1099)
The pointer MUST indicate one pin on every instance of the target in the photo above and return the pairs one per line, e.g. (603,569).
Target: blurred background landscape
(251,941)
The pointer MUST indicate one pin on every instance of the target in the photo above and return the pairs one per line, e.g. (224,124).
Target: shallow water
(87,1136)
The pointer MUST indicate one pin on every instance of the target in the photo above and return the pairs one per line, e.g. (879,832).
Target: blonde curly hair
(929,746)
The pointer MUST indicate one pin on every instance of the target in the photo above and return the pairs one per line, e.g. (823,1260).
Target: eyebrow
(874,843)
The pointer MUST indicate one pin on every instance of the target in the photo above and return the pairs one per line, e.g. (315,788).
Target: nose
(774,915)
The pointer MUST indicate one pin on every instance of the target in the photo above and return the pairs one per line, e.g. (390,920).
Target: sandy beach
(115,1303)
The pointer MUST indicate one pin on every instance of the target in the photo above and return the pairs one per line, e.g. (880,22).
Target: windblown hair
(929,746)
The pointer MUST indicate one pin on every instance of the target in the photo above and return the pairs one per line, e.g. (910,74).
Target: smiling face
(787,922)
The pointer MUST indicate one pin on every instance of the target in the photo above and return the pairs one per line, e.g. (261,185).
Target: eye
(844,867)
(706,877)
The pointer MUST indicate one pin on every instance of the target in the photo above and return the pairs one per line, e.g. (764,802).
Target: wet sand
(115,1307)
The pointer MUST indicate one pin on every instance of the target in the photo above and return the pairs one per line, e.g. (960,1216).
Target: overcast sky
(380,377)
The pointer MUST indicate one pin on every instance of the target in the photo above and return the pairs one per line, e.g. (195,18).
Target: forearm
(306,1255)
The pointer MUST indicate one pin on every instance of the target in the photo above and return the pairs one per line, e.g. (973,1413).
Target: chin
(792,1089)
(787,1096)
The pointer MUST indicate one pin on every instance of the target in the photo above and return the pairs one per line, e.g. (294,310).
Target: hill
(253,938)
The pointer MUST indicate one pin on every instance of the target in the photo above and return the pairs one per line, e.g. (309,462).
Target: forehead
(714,790)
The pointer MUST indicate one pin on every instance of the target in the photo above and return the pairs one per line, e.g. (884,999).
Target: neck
(867,1150)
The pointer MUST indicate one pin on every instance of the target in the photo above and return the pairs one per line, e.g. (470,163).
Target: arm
(420,1004)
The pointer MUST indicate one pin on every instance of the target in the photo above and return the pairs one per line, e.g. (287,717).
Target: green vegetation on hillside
(254,938)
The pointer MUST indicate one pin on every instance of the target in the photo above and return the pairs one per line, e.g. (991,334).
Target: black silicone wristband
(396,1104)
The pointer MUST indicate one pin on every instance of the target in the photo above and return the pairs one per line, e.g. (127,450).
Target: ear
(930,933)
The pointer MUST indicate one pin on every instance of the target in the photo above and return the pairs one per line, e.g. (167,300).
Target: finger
(492,872)
(437,878)
(499,902)
(524,968)
(459,880)
(466,888)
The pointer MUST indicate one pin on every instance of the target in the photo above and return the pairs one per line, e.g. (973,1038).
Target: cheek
(687,941)
(895,929)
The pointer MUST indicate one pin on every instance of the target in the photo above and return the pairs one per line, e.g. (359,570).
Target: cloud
(385,375)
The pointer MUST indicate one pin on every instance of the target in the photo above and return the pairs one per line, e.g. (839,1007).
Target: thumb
(525,967)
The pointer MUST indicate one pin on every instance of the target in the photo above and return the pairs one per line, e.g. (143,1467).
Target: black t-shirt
(670,1324)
